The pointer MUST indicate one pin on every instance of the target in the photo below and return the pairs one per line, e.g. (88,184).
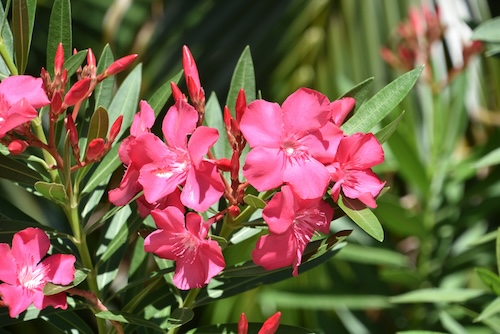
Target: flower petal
(279,212)
(200,142)
(264,168)
(16,297)
(305,110)
(8,269)
(17,87)
(32,242)
(360,151)
(203,187)
(59,300)
(159,180)
(170,219)
(275,251)
(162,244)
(61,268)
(261,124)
(340,109)
(143,120)
(18,114)
(179,122)
(308,177)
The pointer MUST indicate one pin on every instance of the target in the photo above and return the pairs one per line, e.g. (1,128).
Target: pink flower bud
(77,92)
(95,149)
(59,60)
(17,146)
(115,129)
(243,324)
(271,325)
(241,105)
(190,70)
(176,92)
(120,65)
(91,58)
(56,104)
(234,211)
(224,164)
(73,132)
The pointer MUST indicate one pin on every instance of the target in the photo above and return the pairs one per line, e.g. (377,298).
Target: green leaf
(490,279)
(490,310)
(254,201)
(363,217)
(243,77)
(498,250)
(389,129)
(68,322)
(103,92)
(99,124)
(103,172)
(159,98)
(8,41)
(214,119)
(373,256)
(450,324)
(360,92)
(52,191)
(488,31)
(128,318)
(252,328)
(420,332)
(12,170)
(179,317)
(59,31)
(435,295)
(74,61)
(490,159)
(379,106)
(125,101)
(52,289)
(21,29)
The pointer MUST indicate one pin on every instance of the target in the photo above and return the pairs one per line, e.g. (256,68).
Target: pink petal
(261,124)
(61,268)
(170,219)
(17,87)
(203,187)
(264,168)
(305,110)
(308,177)
(16,297)
(159,180)
(323,143)
(196,226)
(275,251)
(30,243)
(179,122)
(8,269)
(162,244)
(341,108)
(59,300)
(359,182)
(200,142)
(143,120)
(279,212)
(129,187)
(360,151)
(19,113)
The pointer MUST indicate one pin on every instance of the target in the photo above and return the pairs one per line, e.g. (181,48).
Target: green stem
(7,58)
(49,159)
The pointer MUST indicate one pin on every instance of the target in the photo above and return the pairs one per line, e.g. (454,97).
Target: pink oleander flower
(351,168)
(290,142)
(24,273)
(197,259)
(292,223)
(19,96)
(180,162)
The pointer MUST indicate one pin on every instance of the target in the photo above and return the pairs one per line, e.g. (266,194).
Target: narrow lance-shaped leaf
(243,77)
(360,92)
(74,61)
(379,106)
(99,124)
(384,134)
(490,310)
(12,170)
(159,98)
(488,31)
(7,41)
(59,31)
(103,92)
(364,218)
(22,33)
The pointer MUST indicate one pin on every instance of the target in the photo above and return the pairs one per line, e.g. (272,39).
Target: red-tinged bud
(120,65)
(90,58)
(95,149)
(241,105)
(224,164)
(235,166)
(17,146)
(64,77)
(234,211)
(176,92)
(77,92)
(227,118)
(56,105)
(243,324)
(190,70)
(271,325)
(115,129)
(73,132)
(59,60)
(195,91)
(75,51)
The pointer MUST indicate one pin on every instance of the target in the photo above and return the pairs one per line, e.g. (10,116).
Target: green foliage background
(442,210)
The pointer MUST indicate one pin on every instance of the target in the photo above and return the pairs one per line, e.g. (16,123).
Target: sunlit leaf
(435,295)
(490,279)
(103,92)
(380,105)
(99,123)
(60,31)
(254,201)
(52,191)
(243,77)
(488,31)
(179,317)
(364,218)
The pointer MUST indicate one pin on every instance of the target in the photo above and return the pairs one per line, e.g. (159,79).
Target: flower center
(174,168)
(32,276)
(292,148)
(185,246)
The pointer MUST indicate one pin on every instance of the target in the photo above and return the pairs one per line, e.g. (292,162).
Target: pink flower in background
(292,222)
(24,273)
(289,142)
(351,168)
(19,96)
(179,162)
(197,259)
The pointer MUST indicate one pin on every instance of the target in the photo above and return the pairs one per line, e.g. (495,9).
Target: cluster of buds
(415,39)
(22,95)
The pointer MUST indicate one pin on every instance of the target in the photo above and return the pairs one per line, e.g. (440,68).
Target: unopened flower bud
(77,92)
(241,105)
(120,65)
(73,132)
(95,149)
(17,146)
(271,325)
(243,324)
(234,211)
(224,164)
(190,70)
(176,92)
(56,104)
(91,58)
(59,60)
(115,129)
